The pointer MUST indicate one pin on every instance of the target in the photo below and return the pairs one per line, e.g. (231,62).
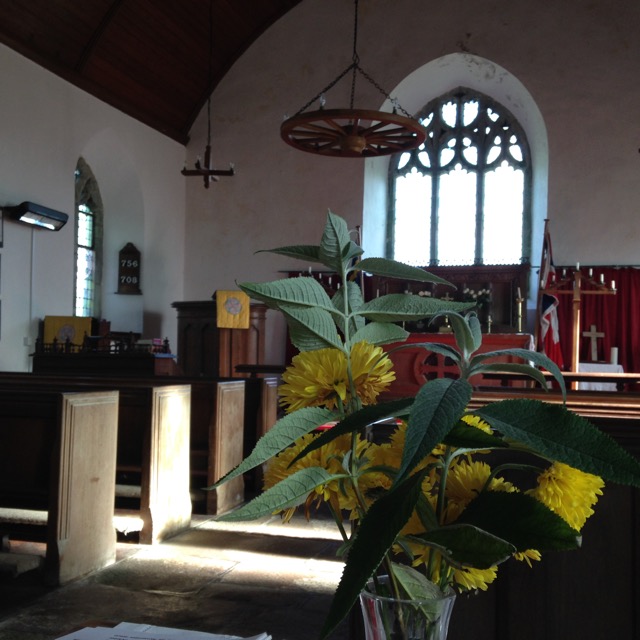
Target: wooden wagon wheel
(352,133)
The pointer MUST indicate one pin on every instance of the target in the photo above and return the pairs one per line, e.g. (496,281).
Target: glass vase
(388,618)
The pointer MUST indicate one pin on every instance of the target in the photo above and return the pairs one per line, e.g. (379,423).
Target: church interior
(160,148)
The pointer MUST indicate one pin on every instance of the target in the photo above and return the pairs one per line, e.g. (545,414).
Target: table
(598,367)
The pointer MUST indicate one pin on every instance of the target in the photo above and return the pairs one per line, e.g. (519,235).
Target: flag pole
(541,277)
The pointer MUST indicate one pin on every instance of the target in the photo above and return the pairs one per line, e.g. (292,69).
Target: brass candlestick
(519,301)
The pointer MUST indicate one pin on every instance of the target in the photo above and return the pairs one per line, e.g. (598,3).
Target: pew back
(58,452)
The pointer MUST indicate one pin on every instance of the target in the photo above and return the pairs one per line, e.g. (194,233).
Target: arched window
(88,243)
(464,196)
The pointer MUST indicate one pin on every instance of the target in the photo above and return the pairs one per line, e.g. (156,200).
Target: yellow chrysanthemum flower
(464,578)
(320,378)
(568,492)
(339,494)
(314,379)
(470,579)
(528,556)
(465,481)
(372,371)
(478,422)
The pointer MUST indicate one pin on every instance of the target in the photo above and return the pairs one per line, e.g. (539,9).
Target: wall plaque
(129,270)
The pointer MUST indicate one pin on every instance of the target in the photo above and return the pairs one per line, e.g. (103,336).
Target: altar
(598,367)
(414,365)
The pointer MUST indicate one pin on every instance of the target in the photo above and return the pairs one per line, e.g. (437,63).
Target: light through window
(462,197)
(85,262)
(88,243)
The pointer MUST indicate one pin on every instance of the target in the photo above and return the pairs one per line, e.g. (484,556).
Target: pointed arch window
(88,253)
(464,196)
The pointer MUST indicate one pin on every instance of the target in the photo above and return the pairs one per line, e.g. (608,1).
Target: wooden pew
(152,450)
(216,429)
(57,467)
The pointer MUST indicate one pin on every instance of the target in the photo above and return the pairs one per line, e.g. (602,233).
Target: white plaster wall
(577,59)
(45,126)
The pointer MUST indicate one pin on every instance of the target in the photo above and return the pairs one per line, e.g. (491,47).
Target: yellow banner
(232,309)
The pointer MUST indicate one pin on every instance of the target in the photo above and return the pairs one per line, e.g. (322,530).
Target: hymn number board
(129,270)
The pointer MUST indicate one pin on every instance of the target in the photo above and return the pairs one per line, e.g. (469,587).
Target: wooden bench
(152,468)
(57,469)
(215,433)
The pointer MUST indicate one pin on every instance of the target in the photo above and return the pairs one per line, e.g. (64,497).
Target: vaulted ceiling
(148,58)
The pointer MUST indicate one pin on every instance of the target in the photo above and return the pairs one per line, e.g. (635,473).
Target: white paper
(134,631)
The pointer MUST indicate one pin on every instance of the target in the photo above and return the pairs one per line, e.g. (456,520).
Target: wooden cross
(577,291)
(594,335)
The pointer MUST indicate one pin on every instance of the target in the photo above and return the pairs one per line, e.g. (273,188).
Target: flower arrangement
(423,490)
(482,297)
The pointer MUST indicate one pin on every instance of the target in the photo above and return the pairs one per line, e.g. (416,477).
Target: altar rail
(57,469)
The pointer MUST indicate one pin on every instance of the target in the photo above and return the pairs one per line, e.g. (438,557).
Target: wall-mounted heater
(37,216)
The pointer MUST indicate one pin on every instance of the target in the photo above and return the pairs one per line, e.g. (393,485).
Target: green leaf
(556,433)
(399,307)
(436,347)
(379,333)
(306,252)
(375,536)
(438,406)
(335,243)
(467,545)
(290,492)
(510,367)
(476,330)
(415,585)
(311,328)
(398,270)
(283,434)
(355,301)
(521,520)
(527,355)
(357,420)
(464,436)
(301,291)
(466,339)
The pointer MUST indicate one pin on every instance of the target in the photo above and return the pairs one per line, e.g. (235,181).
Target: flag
(548,331)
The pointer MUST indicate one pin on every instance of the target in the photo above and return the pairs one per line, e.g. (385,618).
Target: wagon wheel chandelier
(205,170)
(352,133)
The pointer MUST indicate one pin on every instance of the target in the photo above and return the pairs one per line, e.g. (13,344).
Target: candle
(577,266)
(614,355)
(590,273)
(613,284)
(519,294)
(602,278)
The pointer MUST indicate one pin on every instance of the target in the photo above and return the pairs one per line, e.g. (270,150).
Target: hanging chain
(355,57)
(210,76)
(356,68)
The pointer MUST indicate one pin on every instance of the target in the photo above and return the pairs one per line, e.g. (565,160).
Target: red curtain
(617,316)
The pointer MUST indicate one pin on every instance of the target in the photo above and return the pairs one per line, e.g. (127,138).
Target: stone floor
(229,579)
